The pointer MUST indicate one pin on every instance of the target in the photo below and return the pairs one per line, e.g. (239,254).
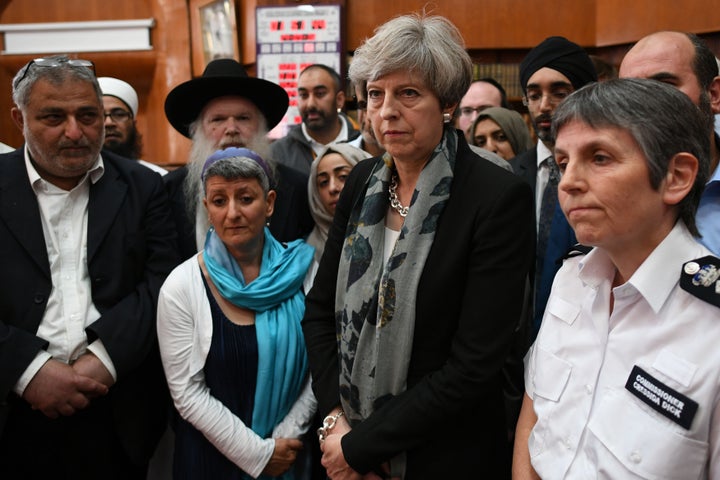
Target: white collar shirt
(542,176)
(317,146)
(70,309)
(590,423)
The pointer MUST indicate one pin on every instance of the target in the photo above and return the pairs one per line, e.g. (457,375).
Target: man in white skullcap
(120,101)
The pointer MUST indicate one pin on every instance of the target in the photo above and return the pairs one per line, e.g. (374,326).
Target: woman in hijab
(230,337)
(328,173)
(502,131)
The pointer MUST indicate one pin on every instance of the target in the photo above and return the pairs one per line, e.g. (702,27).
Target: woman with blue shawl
(230,336)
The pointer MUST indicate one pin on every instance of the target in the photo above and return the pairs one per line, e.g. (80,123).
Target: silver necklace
(394,201)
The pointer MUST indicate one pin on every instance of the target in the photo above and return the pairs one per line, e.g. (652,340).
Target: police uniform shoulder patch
(574,251)
(701,279)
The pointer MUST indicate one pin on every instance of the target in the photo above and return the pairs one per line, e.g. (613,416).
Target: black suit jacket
(525,166)
(450,419)
(561,240)
(131,247)
(291,219)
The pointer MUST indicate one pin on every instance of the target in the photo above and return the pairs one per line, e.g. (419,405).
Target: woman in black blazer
(421,284)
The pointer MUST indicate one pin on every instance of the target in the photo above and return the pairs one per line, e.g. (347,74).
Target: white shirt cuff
(29,373)
(98,349)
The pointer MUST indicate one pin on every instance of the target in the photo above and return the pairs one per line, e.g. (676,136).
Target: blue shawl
(277,298)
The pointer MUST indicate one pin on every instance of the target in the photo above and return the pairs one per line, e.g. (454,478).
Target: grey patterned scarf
(375,303)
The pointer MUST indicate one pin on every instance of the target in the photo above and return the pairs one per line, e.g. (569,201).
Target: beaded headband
(235,152)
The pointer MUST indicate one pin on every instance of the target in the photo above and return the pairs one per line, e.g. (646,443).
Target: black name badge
(667,402)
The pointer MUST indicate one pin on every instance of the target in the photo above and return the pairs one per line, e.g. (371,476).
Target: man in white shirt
(85,243)
(320,99)
(120,101)
(548,74)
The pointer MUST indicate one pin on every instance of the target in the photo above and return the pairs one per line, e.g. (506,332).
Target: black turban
(562,55)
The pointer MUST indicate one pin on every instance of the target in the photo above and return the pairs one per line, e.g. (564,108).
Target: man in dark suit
(85,244)
(548,74)
(227,108)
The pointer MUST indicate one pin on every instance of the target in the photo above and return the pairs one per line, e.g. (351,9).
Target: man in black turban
(549,73)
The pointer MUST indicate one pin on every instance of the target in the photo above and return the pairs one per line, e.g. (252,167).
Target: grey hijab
(322,217)
(512,123)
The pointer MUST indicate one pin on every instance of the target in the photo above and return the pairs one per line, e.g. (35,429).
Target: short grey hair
(661,119)
(30,74)
(237,167)
(428,46)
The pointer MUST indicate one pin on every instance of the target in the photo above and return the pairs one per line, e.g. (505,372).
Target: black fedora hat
(223,77)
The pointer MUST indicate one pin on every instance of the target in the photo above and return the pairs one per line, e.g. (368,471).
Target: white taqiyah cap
(122,90)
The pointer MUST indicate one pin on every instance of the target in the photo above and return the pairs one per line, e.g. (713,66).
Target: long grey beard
(201,149)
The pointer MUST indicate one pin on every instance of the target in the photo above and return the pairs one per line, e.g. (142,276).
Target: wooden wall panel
(246,11)
(623,21)
(38,11)
(152,73)
(171,38)
(487,23)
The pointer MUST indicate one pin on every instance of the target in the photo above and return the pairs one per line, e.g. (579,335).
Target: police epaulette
(574,251)
(699,278)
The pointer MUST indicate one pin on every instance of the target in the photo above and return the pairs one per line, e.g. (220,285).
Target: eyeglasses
(118,115)
(360,104)
(55,62)
(469,111)
(555,96)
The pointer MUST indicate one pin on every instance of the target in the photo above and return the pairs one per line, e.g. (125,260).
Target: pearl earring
(447,117)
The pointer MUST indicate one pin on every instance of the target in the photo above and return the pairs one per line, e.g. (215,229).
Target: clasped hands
(62,389)
(333,459)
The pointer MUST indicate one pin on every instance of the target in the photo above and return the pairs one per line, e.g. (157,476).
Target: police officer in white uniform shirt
(623,380)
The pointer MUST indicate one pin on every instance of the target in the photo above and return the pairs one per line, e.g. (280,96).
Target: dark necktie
(547,209)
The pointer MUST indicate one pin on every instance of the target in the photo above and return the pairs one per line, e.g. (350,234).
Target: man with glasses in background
(120,101)
(483,93)
(548,74)
(86,241)
(366,140)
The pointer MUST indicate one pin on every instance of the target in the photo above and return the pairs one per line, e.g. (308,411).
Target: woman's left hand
(334,461)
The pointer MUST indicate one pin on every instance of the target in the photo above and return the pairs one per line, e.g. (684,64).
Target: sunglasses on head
(56,62)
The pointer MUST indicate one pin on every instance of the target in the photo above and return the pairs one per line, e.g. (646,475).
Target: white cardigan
(184,328)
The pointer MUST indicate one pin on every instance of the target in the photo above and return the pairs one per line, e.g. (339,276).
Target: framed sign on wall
(291,38)
(214,32)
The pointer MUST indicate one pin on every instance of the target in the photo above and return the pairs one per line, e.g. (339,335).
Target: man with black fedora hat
(227,108)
